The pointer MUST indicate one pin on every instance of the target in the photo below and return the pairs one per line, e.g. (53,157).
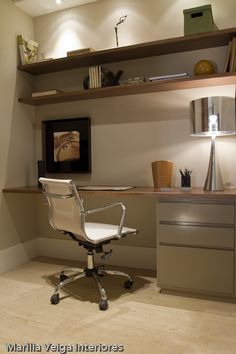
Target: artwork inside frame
(28,50)
(67,145)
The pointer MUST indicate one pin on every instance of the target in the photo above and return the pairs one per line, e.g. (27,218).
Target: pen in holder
(185,178)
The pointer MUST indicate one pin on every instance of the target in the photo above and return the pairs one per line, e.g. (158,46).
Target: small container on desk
(162,174)
(185,180)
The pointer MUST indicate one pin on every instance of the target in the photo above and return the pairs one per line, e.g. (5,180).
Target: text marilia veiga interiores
(63,348)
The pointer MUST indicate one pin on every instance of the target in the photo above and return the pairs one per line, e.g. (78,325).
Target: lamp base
(214,180)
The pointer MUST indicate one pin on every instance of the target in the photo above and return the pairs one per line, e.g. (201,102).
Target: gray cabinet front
(196,243)
(196,269)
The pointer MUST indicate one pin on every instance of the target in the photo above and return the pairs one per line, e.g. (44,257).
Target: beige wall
(137,129)
(93,24)
(17,218)
(128,133)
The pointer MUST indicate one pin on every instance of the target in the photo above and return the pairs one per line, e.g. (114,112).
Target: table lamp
(212,117)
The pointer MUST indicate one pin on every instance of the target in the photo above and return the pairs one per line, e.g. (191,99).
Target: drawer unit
(197,236)
(196,247)
(195,269)
(200,213)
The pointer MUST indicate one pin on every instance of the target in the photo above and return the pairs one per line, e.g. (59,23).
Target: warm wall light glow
(68,40)
(58,2)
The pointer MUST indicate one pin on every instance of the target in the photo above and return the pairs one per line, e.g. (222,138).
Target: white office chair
(67,215)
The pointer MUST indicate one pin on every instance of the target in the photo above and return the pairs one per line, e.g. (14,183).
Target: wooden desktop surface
(194,193)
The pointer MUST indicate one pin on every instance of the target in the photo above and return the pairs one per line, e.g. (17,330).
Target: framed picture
(28,50)
(67,145)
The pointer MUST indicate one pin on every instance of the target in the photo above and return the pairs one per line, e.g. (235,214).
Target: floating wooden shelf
(167,46)
(196,193)
(173,45)
(114,91)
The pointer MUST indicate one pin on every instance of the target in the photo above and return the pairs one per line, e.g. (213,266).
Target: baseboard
(19,254)
(129,256)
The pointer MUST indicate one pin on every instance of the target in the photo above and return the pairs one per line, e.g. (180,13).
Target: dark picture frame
(67,145)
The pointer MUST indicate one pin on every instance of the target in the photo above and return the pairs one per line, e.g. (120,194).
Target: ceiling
(42,7)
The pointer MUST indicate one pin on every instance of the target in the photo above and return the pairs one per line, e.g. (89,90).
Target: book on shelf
(95,76)
(80,51)
(45,93)
(168,77)
(226,65)
(28,50)
(230,61)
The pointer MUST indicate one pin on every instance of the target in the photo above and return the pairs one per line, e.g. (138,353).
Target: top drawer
(197,213)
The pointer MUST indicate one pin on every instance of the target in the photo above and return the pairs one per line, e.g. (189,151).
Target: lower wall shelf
(123,90)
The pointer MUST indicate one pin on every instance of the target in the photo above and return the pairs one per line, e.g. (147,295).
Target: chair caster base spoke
(95,273)
(63,277)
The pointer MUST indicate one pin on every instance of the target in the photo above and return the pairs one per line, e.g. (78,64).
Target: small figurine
(121,20)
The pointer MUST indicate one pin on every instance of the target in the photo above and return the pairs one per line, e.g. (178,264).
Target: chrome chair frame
(83,239)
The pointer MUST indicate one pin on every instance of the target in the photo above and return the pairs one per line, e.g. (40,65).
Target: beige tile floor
(141,320)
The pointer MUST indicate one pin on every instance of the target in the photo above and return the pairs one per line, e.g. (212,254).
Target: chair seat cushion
(101,232)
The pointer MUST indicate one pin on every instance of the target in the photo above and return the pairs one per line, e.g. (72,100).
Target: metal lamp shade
(221,107)
(212,117)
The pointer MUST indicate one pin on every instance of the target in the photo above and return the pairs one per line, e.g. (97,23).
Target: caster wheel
(55,299)
(63,277)
(128,284)
(103,305)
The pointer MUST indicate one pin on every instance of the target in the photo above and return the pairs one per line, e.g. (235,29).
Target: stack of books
(169,77)
(45,93)
(95,76)
(230,61)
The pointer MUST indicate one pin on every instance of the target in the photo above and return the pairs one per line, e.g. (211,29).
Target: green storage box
(198,19)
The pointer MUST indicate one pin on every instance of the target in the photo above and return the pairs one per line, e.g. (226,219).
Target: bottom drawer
(196,269)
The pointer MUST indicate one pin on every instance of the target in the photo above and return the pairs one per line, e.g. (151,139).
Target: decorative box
(198,19)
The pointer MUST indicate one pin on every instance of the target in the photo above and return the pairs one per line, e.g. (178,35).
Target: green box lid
(196,9)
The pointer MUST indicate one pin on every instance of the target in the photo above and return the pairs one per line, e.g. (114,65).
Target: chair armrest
(121,205)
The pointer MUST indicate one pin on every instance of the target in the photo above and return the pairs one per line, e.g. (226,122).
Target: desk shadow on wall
(21,216)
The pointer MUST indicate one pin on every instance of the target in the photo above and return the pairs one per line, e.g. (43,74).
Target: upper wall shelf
(173,45)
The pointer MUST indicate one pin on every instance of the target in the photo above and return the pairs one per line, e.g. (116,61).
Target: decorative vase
(162,173)
(204,67)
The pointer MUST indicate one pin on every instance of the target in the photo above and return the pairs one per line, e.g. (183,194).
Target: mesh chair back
(65,206)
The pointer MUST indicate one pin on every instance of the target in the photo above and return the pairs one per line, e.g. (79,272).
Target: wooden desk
(196,252)
(195,193)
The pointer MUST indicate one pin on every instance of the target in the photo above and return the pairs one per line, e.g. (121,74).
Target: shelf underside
(167,46)
(123,90)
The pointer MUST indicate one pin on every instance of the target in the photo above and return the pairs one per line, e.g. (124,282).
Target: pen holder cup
(162,173)
(186,181)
